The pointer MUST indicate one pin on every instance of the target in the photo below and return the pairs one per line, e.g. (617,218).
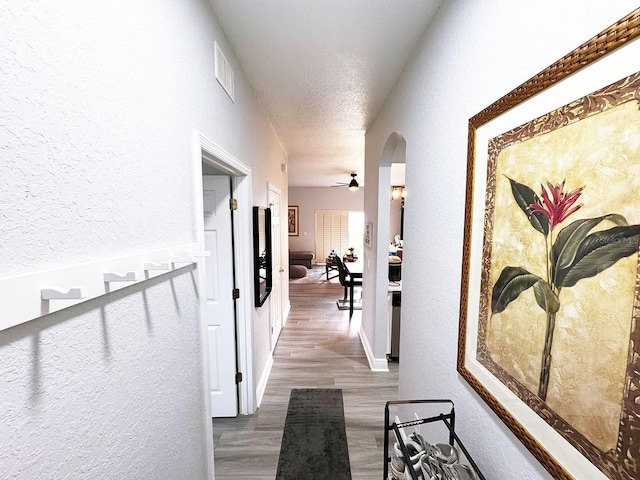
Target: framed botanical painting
(550,304)
(293,220)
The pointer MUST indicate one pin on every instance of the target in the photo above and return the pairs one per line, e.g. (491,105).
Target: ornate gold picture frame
(550,304)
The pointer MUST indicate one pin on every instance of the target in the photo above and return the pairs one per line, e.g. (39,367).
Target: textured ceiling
(322,70)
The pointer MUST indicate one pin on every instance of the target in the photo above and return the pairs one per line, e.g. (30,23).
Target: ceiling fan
(353,184)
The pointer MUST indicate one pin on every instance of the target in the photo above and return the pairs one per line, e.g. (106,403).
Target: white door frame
(204,150)
(275,313)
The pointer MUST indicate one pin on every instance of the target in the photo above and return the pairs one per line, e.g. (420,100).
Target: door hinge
(238,377)
(233,204)
(235,293)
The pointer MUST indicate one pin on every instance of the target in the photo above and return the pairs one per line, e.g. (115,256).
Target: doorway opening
(377,304)
(210,158)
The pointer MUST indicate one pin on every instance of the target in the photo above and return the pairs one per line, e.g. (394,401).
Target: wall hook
(157,266)
(120,277)
(57,293)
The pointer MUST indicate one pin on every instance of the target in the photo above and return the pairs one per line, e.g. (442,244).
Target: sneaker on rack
(442,451)
(459,471)
(396,474)
(415,452)
(431,468)
(397,463)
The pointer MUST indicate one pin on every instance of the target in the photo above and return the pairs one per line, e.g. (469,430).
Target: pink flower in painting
(555,204)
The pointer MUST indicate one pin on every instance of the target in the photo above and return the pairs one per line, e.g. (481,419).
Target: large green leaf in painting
(569,239)
(597,252)
(512,282)
(524,197)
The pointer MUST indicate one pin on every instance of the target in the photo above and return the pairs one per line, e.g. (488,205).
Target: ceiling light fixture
(353,184)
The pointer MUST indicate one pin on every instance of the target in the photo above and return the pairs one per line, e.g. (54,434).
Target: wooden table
(330,266)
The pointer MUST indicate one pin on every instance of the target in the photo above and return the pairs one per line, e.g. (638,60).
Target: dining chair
(348,282)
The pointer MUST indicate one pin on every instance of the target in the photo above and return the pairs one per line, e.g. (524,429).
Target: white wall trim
(245,309)
(264,379)
(240,174)
(375,364)
(198,212)
(206,150)
(275,323)
(226,161)
(244,279)
(285,314)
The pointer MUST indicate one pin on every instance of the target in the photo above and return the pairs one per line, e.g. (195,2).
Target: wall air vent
(224,73)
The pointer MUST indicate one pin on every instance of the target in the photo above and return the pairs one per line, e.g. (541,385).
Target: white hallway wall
(473,54)
(99,102)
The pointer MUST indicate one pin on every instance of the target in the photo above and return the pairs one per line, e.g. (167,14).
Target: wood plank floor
(319,347)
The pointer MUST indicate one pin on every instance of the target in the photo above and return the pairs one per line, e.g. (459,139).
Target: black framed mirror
(261,254)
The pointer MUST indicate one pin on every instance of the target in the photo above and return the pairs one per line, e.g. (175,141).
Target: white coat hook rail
(58,293)
(34,294)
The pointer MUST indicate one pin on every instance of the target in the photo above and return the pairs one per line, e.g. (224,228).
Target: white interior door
(277,271)
(219,309)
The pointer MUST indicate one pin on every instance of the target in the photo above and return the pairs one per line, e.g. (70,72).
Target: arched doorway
(376,328)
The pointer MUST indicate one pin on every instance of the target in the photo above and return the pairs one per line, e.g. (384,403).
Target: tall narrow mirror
(262,253)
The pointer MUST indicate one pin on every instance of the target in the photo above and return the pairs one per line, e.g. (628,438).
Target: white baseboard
(287,309)
(264,378)
(376,364)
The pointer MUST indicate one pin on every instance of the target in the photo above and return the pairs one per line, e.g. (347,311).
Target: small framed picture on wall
(368,234)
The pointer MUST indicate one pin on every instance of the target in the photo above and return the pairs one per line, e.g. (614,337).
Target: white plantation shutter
(332,232)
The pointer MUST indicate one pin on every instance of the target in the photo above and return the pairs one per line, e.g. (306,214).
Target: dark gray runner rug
(314,442)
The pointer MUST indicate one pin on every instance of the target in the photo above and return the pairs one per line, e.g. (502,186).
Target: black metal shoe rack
(449,419)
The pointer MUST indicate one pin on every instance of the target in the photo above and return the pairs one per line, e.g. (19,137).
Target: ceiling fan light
(353,185)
